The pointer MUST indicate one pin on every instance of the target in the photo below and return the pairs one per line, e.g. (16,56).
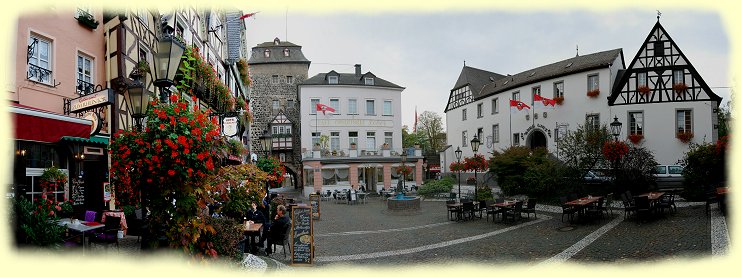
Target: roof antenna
(464,62)
(658,14)
(577,50)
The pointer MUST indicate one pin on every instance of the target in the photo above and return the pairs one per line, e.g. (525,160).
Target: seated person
(255,215)
(277,229)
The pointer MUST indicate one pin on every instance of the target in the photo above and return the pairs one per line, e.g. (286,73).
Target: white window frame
(369,81)
(335,104)
(266,53)
(370,140)
(592,82)
(464,136)
(141,14)
(556,90)
(352,106)
(685,113)
(480,110)
(315,138)
(334,140)
(464,115)
(590,121)
(80,71)
(495,132)
(516,95)
(373,105)
(633,125)
(314,102)
(641,79)
(678,78)
(388,104)
(37,57)
(286,52)
(352,138)
(333,80)
(495,106)
(276,104)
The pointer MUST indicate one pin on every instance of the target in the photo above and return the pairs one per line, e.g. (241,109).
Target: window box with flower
(635,138)
(86,19)
(559,100)
(685,137)
(643,90)
(593,93)
(679,87)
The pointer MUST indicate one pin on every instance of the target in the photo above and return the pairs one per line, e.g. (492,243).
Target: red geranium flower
(171,172)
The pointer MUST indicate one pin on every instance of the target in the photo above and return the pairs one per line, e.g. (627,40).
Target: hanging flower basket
(404,170)
(614,150)
(593,93)
(559,100)
(52,178)
(679,87)
(644,90)
(685,137)
(635,138)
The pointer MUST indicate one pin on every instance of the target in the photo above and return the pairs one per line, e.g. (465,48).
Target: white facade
(344,122)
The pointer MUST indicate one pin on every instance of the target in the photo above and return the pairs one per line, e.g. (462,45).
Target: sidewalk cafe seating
(628,205)
(494,210)
(643,206)
(566,209)
(530,209)
(110,231)
(467,209)
(597,210)
(515,213)
(482,207)
(667,202)
(608,203)
(326,196)
(284,241)
(452,210)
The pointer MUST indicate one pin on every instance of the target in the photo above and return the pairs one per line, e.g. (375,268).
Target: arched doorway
(537,139)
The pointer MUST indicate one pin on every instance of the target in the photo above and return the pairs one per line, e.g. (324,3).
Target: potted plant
(559,100)
(143,67)
(86,19)
(685,136)
(385,146)
(52,178)
(679,87)
(643,90)
(353,146)
(593,93)
(635,138)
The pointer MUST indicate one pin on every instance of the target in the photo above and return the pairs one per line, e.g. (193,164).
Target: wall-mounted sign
(91,101)
(229,125)
(77,195)
(97,123)
(106,192)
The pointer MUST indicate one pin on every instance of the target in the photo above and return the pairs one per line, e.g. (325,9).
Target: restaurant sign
(91,101)
(229,125)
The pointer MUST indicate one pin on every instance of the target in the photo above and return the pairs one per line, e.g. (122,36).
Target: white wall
(344,93)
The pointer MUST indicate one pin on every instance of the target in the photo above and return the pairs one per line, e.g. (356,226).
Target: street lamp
(475,143)
(403,168)
(137,98)
(266,141)
(616,127)
(458,154)
(166,63)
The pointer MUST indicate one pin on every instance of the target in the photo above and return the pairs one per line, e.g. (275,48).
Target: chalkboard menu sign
(315,211)
(77,195)
(302,236)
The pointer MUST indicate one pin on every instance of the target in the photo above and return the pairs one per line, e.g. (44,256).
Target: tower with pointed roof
(276,67)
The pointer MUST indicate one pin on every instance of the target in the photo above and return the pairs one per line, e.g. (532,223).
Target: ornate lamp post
(403,167)
(475,143)
(166,63)
(458,154)
(615,128)
(137,98)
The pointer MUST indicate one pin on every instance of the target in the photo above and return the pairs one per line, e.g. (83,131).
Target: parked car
(669,177)
(597,177)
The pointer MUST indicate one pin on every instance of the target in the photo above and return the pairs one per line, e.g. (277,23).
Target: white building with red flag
(587,90)
(351,133)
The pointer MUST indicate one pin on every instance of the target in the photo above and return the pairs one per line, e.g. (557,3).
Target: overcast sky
(424,52)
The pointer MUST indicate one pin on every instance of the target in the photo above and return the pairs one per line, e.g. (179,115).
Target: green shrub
(483,193)
(35,223)
(435,187)
(635,171)
(239,202)
(227,236)
(704,168)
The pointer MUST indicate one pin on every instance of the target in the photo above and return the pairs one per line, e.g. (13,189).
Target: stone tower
(276,69)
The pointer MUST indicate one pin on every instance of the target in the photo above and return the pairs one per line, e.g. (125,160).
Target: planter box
(353,153)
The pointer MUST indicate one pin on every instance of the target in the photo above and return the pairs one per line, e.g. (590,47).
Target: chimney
(357,70)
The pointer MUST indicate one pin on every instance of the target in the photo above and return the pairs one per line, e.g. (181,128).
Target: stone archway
(537,139)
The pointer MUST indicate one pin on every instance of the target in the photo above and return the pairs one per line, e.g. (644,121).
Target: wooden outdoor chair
(566,209)
(515,214)
(530,209)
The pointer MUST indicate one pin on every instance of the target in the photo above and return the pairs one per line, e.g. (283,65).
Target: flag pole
(511,141)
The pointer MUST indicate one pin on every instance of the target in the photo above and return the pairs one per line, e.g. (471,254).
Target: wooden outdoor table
(582,203)
(654,195)
(252,231)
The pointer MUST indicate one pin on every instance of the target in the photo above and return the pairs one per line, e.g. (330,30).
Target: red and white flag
(324,109)
(518,106)
(542,102)
(247,15)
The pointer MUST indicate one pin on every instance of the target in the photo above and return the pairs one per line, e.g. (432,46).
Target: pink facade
(66,39)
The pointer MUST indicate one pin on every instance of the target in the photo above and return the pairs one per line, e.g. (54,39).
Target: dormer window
(276,41)
(369,81)
(332,79)
(267,53)
(286,52)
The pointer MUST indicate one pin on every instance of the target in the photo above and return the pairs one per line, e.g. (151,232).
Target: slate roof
(550,71)
(349,79)
(476,78)
(276,53)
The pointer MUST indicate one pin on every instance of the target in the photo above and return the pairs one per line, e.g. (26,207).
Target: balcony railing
(84,88)
(358,153)
(39,74)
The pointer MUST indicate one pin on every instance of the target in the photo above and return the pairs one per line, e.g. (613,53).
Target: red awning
(39,125)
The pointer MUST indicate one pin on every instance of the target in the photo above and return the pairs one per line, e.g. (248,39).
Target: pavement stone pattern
(368,235)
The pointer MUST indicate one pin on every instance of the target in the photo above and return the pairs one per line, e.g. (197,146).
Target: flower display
(559,100)
(456,166)
(644,89)
(635,138)
(403,169)
(614,150)
(475,163)
(51,179)
(593,93)
(275,171)
(685,137)
(679,87)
